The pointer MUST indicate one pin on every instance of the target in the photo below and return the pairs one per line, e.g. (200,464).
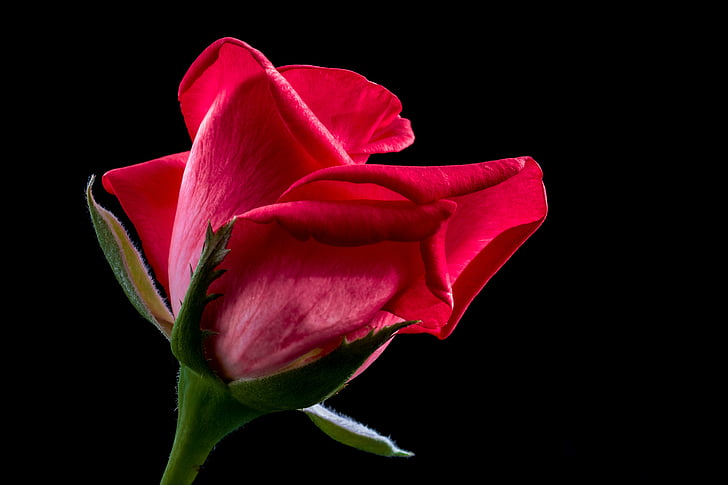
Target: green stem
(207,413)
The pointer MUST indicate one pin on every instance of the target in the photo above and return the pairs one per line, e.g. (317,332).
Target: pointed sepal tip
(187,336)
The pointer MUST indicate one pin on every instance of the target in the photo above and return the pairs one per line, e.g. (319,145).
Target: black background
(563,368)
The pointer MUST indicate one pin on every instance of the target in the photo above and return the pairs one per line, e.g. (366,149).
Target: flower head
(325,246)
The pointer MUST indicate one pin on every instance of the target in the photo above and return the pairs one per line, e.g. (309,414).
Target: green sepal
(128,265)
(310,384)
(351,433)
(187,337)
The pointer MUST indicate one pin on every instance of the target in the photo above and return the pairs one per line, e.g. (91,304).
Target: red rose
(324,246)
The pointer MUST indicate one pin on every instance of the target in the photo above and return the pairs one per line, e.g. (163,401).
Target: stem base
(207,413)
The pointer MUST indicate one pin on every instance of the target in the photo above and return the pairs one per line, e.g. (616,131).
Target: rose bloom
(324,246)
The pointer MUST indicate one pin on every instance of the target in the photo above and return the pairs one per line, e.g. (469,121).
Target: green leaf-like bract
(349,432)
(128,265)
(187,337)
(310,384)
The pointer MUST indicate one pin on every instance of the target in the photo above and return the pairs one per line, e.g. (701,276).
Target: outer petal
(362,116)
(489,226)
(148,194)
(296,298)
(227,66)
(364,222)
(420,184)
(322,270)
(499,205)
(253,137)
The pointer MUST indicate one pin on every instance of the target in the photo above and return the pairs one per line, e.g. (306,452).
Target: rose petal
(284,298)
(362,116)
(488,227)
(420,184)
(148,194)
(226,67)
(255,139)
(499,204)
(364,222)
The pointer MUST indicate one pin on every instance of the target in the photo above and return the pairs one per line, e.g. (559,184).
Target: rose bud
(288,261)
(324,248)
